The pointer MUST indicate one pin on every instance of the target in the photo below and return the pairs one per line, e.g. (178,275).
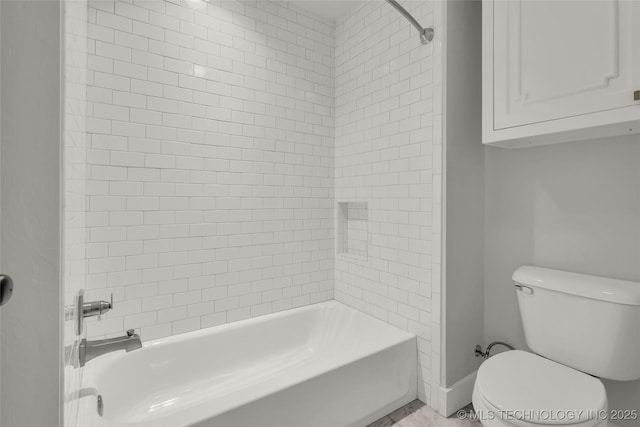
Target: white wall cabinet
(556,71)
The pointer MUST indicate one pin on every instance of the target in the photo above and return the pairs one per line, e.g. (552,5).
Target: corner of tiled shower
(388,155)
(350,112)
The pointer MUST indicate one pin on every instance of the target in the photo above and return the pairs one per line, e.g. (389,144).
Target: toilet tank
(586,322)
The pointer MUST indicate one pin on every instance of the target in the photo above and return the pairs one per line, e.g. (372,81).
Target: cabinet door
(557,59)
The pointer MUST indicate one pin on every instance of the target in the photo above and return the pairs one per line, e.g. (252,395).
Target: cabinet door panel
(556,59)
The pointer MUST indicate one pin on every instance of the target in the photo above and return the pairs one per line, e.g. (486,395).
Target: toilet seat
(528,390)
(489,416)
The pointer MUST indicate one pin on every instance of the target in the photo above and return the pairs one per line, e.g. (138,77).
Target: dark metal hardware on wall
(426,34)
(6,289)
(636,95)
(486,354)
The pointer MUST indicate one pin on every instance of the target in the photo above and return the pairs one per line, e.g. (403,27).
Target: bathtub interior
(212,371)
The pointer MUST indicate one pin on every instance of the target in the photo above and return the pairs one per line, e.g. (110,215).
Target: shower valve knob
(96,308)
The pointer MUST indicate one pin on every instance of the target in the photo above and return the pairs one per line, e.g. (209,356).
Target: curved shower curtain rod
(426,34)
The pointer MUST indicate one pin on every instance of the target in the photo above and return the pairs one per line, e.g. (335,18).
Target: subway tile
(186,325)
(110,20)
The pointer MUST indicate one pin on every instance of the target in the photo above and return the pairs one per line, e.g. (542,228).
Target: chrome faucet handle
(96,308)
(131,332)
(107,307)
(81,309)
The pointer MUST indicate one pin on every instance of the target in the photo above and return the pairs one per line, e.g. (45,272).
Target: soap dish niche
(353,229)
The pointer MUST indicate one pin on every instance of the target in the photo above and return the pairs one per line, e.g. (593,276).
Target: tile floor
(417,414)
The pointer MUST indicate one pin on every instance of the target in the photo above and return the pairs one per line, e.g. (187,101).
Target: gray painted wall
(464,192)
(573,206)
(30,201)
(0,215)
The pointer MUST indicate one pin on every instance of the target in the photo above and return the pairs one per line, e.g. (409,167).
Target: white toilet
(580,328)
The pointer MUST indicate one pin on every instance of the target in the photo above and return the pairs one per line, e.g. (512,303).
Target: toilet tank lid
(584,285)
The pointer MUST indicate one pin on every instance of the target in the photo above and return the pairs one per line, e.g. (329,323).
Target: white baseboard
(458,395)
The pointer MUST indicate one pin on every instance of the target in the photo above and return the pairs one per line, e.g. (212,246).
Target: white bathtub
(324,365)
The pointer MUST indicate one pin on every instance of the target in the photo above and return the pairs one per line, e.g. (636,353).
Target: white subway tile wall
(384,156)
(211,159)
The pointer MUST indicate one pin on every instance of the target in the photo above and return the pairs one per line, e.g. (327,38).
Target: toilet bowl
(517,388)
(579,327)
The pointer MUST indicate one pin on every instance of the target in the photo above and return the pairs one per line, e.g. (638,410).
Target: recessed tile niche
(353,238)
